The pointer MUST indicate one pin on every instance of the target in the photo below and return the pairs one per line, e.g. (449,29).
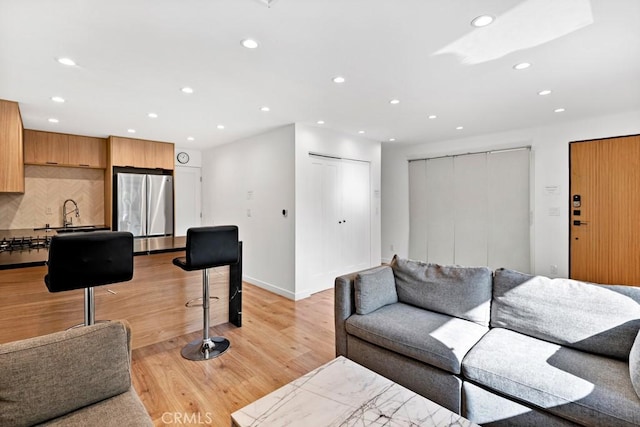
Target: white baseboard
(271,288)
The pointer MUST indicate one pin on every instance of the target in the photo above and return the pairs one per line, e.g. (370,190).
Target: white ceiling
(133,57)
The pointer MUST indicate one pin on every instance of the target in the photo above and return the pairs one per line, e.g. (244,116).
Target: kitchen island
(38,253)
(153,302)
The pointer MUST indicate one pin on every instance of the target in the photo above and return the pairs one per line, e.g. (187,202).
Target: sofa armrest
(344,307)
(47,377)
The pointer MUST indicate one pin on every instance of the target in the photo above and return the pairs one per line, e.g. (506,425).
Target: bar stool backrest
(87,259)
(209,247)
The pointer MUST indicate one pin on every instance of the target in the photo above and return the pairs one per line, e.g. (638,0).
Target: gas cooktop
(25,243)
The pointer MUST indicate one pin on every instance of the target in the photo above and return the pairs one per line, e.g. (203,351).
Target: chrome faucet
(66,223)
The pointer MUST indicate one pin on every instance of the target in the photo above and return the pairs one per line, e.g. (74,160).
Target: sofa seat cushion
(582,387)
(125,409)
(433,338)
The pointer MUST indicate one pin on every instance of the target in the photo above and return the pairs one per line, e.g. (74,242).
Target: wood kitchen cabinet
(58,149)
(163,155)
(87,151)
(141,153)
(11,149)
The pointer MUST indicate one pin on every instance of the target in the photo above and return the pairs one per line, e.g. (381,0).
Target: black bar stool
(88,259)
(208,247)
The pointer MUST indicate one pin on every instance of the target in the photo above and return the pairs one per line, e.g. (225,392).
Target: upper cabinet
(87,151)
(11,150)
(58,149)
(141,153)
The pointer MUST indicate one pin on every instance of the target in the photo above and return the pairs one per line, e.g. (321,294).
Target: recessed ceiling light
(57,99)
(392,139)
(131,130)
(338,79)
(67,61)
(152,115)
(265,109)
(394,101)
(544,92)
(220,127)
(433,116)
(52,120)
(190,138)
(482,21)
(187,89)
(460,128)
(361,132)
(522,66)
(320,122)
(249,43)
(559,110)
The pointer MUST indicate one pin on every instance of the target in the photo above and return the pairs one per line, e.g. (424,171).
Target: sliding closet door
(440,221)
(509,223)
(471,210)
(418,209)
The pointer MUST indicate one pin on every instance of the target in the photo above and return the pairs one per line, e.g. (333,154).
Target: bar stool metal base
(205,349)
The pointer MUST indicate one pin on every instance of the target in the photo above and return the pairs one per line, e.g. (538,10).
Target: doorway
(604,224)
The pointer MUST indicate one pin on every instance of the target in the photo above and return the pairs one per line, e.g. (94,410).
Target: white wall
(195,157)
(248,183)
(320,140)
(550,245)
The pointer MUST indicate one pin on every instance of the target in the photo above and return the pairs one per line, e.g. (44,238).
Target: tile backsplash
(46,189)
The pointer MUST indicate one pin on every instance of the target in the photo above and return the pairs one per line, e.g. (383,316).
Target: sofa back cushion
(49,376)
(463,292)
(601,319)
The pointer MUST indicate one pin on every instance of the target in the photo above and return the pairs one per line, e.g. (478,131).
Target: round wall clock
(183,157)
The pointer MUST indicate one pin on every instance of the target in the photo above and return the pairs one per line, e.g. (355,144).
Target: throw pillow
(374,288)
(634,364)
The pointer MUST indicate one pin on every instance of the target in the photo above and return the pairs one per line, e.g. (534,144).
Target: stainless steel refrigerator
(144,204)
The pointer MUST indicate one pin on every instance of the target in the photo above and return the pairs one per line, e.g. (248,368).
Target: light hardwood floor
(279,341)
(153,302)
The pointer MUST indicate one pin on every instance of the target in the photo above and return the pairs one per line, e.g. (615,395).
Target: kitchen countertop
(36,257)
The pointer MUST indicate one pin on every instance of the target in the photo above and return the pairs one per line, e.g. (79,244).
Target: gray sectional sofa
(500,348)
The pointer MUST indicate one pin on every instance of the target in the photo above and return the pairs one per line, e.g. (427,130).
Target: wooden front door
(604,216)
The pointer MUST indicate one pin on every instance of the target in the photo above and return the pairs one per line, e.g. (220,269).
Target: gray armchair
(78,377)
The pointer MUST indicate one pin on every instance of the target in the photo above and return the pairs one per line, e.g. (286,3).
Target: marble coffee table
(343,393)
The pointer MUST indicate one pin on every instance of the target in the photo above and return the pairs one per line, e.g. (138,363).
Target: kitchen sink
(80,229)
